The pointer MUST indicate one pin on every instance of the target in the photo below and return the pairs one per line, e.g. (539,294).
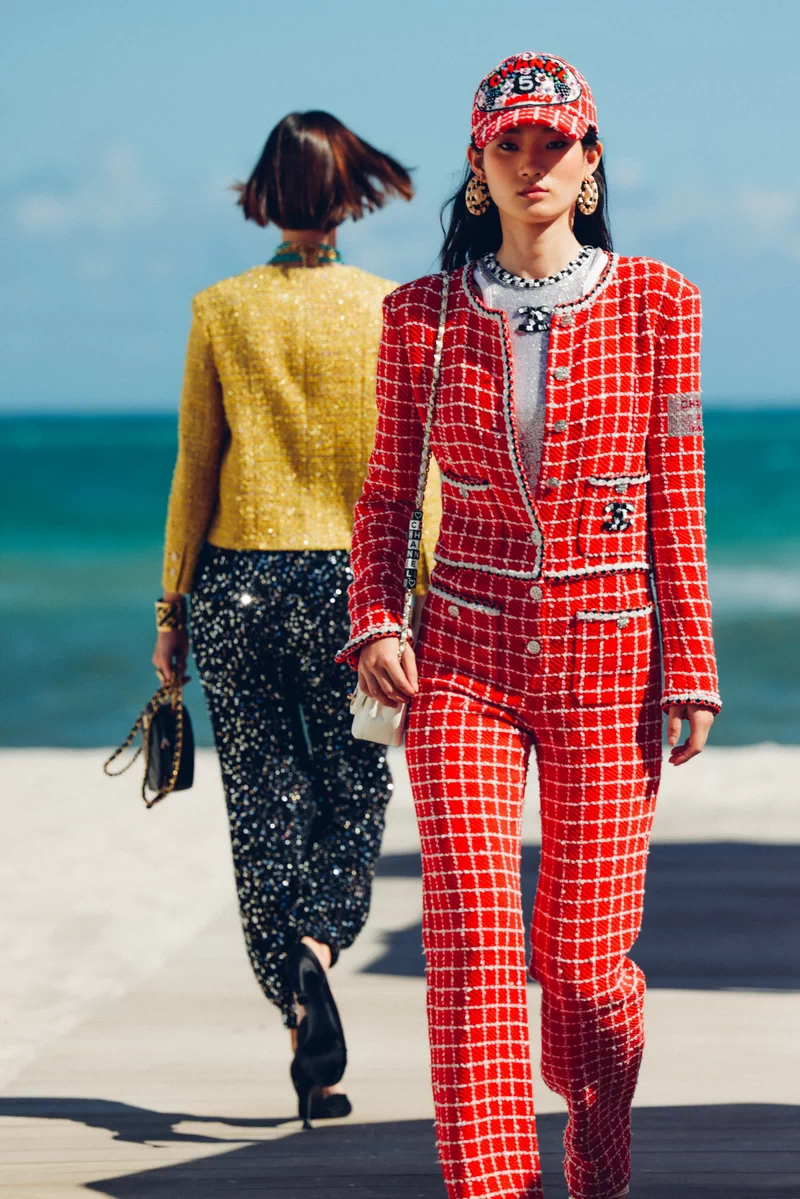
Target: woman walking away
(277,421)
(567,429)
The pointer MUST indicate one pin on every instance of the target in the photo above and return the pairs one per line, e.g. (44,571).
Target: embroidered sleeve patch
(685,415)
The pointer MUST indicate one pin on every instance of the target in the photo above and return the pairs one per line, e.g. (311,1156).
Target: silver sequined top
(530,349)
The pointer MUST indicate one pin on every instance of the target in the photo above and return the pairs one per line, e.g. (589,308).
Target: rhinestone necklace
(304,254)
(503,276)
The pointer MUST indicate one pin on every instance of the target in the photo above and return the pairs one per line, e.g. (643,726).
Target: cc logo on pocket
(618,516)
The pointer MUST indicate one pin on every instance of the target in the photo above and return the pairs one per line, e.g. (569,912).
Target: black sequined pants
(305,800)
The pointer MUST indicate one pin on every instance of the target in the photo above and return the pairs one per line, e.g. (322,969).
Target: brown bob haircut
(314,173)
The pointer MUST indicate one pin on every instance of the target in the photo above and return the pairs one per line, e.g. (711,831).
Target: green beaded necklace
(304,254)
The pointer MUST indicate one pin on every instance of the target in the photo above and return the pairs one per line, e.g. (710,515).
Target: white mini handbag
(372,720)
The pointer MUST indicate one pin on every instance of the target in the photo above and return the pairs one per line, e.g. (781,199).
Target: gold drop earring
(588,196)
(477,198)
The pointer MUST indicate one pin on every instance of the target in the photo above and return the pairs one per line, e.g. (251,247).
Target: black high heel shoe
(321,1055)
(305,1088)
(312,1104)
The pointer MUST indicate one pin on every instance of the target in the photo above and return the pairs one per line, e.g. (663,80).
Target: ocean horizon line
(169,410)
(85,502)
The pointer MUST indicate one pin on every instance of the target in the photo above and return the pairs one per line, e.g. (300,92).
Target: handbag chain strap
(172,694)
(177,754)
(414,542)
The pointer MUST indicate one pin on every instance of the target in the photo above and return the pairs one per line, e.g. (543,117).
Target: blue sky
(122,125)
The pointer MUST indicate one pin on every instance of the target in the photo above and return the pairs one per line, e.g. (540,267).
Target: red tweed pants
(468,748)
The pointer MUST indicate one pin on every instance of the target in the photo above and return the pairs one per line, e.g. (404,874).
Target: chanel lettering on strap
(372,720)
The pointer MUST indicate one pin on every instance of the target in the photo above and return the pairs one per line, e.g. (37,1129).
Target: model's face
(534,173)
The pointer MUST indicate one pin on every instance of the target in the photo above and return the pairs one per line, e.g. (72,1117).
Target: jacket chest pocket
(459,633)
(611,655)
(463,487)
(469,410)
(613,517)
(470,519)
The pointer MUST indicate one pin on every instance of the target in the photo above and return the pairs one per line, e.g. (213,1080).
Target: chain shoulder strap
(137,724)
(176,700)
(144,721)
(414,542)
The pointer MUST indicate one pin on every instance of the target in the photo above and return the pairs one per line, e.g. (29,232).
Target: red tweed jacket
(621,487)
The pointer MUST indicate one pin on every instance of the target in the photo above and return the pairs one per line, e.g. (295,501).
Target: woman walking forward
(277,419)
(568,433)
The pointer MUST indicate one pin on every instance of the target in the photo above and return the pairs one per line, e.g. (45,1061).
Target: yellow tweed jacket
(278,416)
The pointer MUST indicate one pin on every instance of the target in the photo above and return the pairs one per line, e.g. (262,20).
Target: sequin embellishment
(305,800)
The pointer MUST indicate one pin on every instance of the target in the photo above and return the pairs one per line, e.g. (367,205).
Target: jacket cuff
(381,624)
(709,699)
(178,570)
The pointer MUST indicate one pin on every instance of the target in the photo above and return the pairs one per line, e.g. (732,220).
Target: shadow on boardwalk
(716,915)
(715,1152)
(126,1122)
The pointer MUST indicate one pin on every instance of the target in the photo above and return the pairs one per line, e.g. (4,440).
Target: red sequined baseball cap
(532,89)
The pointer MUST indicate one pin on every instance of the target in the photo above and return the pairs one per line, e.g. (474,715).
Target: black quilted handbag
(167,743)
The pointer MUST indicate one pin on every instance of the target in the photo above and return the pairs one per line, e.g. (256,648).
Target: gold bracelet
(171,615)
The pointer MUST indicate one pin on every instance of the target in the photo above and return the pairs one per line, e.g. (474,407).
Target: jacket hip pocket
(611,655)
(613,517)
(459,633)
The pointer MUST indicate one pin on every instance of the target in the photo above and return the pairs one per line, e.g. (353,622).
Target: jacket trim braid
(623,384)
(463,602)
(582,572)
(709,699)
(389,628)
(596,481)
(505,572)
(464,484)
(512,434)
(571,572)
(593,614)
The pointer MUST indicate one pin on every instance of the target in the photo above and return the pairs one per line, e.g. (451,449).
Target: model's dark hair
(314,173)
(469,237)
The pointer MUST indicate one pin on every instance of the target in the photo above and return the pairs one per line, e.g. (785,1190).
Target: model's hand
(170,655)
(700,722)
(383,676)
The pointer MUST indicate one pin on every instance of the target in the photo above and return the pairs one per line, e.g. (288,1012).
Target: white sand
(97,893)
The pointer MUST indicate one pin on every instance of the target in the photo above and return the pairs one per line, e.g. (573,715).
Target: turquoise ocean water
(82,503)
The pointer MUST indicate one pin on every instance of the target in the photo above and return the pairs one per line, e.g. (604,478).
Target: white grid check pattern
(540,630)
